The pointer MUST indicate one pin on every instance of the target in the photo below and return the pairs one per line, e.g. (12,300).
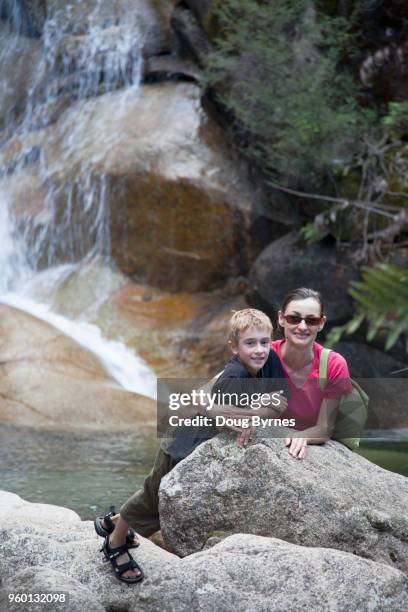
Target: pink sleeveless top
(305,401)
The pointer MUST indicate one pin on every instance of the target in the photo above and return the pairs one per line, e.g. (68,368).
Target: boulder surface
(48,380)
(288,263)
(333,498)
(180,207)
(49,549)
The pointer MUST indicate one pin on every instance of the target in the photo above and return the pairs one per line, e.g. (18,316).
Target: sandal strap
(124,567)
(110,525)
(112,553)
(108,521)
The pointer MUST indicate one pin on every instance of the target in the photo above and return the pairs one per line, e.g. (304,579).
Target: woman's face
(305,321)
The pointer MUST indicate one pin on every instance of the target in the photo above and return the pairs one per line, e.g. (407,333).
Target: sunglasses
(310,321)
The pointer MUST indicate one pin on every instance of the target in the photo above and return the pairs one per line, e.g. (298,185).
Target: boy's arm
(234,386)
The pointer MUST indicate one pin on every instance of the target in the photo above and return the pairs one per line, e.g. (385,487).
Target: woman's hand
(297,447)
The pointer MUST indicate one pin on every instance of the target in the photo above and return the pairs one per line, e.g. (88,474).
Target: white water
(30,243)
(120,362)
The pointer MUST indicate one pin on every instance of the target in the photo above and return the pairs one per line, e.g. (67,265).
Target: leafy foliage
(310,233)
(397,117)
(279,66)
(381,299)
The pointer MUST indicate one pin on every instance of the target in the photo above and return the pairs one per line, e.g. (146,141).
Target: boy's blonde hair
(241,320)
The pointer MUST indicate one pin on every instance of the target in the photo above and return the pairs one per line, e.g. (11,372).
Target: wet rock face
(25,16)
(242,572)
(180,205)
(47,380)
(86,49)
(333,499)
(21,67)
(179,236)
(179,335)
(30,16)
(287,263)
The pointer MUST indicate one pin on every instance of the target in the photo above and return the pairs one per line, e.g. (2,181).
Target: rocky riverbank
(262,532)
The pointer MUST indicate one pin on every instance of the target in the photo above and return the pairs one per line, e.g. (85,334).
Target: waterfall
(47,67)
(104,58)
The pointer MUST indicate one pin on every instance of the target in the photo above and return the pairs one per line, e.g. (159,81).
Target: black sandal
(110,526)
(111,555)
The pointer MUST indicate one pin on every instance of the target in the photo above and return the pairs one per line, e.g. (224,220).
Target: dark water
(88,472)
(390,454)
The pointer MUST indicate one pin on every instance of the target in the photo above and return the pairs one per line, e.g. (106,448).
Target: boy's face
(253,348)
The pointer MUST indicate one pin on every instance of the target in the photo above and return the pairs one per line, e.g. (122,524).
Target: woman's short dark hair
(302,294)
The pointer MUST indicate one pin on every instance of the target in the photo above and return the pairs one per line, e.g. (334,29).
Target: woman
(314,409)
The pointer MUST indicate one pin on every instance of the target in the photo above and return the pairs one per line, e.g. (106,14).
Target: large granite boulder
(366,361)
(63,552)
(180,205)
(48,380)
(247,572)
(333,498)
(241,573)
(288,263)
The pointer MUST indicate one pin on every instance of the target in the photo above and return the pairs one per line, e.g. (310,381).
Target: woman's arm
(319,433)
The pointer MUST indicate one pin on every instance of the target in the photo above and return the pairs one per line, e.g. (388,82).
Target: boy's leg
(141,510)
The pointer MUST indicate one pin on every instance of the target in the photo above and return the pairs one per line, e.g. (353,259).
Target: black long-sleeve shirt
(234,379)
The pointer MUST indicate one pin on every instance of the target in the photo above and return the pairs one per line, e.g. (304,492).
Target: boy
(253,359)
(249,339)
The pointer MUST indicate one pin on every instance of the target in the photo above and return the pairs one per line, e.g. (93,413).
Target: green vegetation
(280,67)
(288,72)
(397,117)
(381,300)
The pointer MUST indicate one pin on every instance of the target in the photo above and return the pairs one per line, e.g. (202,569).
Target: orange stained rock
(152,309)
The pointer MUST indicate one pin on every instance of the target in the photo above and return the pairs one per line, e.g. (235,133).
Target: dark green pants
(141,510)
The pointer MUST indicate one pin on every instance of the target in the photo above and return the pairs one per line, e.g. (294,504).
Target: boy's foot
(111,550)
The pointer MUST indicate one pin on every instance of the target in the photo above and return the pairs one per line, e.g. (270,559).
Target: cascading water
(74,59)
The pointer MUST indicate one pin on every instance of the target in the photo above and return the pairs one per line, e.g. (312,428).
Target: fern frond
(381,299)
